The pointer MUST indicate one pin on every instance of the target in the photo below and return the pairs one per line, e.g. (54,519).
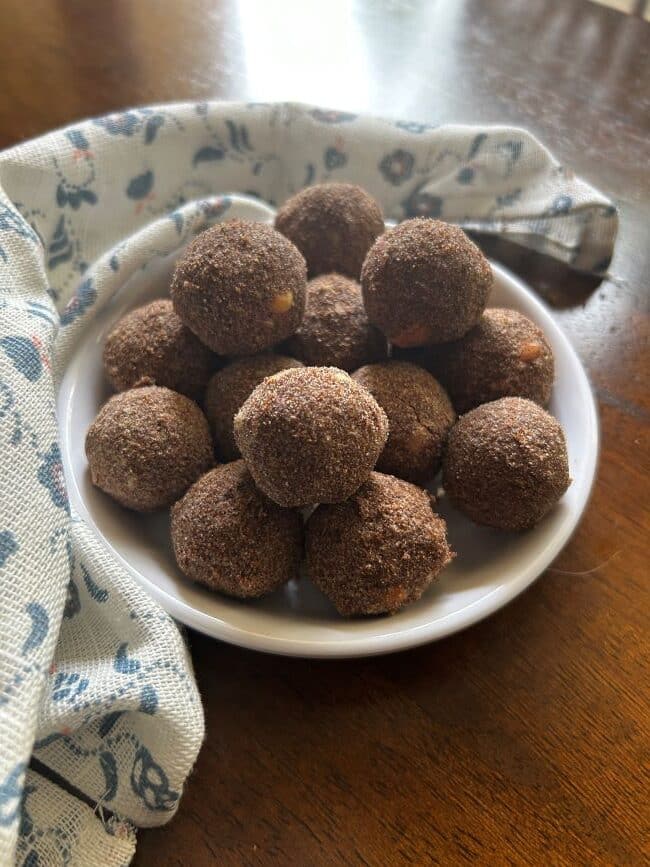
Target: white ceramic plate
(491,567)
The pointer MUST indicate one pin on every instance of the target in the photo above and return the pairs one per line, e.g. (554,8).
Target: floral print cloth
(100,719)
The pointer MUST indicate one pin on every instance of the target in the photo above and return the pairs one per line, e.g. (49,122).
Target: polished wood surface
(521,740)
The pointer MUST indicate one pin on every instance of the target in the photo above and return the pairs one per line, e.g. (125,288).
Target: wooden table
(520,741)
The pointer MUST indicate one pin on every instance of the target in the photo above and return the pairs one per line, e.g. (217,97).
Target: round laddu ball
(229,388)
(151,345)
(505,355)
(425,282)
(310,435)
(379,550)
(420,416)
(506,464)
(333,226)
(230,537)
(240,287)
(147,446)
(335,331)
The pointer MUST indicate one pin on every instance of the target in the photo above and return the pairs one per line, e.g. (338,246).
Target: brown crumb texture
(335,331)
(506,464)
(505,355)
(240,287)
(420,416)
(229,388)
(151,345)
(147,446)
(379,550)
(230,537)
(425,282)
(333,226)
(310,435)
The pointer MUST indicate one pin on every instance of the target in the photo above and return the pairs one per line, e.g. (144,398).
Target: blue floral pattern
(150,782)
(140,186)
(72,603)
(84,298)
(123,123)
(397,167)
(40,624)
(50,475)
(334,158)
(561,205)
(8,546)
(68,687)
(420,204)
(11,792)
(24,355)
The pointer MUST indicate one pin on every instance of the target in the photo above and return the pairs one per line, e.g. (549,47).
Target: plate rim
(389,642)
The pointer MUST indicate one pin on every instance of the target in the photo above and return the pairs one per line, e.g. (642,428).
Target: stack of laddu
(286,336)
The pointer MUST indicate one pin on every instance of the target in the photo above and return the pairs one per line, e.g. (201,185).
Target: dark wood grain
(522,740)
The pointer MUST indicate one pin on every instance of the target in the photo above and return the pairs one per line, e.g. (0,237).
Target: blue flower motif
(238,136)
(99,594)
(122,123)
(72,603)
(422,205)
(109,769)
(68,687)
(177,219)
(50,475)
(513,151)
(24,356)
(148,699)
(39,310)
(7,399)
(123,663)
(8,546)
(149,781)
(140,186)
(77,139)
(334,158)
(152,126)
(561,205)
(60,248)
(477,143)
(397,166)
(412,126)
(74,195)
(11,795)
(84,298)
(465,175)
(208,154)
(40,620)
(330,116)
